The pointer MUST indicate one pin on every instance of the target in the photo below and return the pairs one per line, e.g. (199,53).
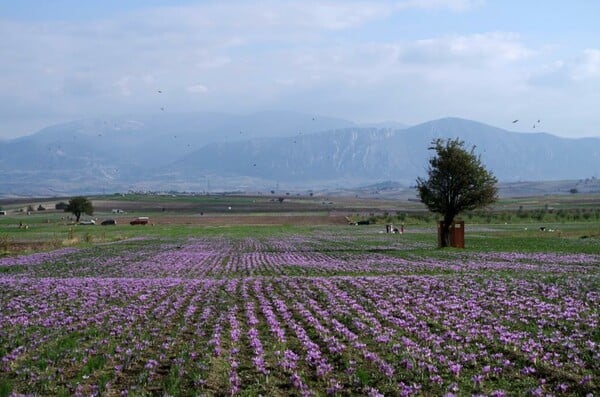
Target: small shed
(457,234)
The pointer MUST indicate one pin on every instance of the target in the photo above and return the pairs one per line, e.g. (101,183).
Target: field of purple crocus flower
(291,316)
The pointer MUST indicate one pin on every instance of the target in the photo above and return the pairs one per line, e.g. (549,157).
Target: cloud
(80,85)
(334,57)
(197,89)
(586,66)
(123,86)
(582,69)
(476,49)
(456,5)
(339,16)
(208,62)
(288,16)
(284,16)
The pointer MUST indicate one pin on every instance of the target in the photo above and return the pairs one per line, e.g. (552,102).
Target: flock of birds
(534,124)
(162,108)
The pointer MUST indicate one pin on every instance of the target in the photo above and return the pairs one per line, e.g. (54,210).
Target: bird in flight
(514,121)
(159,91)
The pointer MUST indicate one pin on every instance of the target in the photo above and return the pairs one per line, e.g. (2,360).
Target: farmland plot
(297,316)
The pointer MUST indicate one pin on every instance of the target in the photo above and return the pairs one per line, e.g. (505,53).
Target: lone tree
(457,181)
(80,205)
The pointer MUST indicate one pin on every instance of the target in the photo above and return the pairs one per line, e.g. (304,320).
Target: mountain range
(216,152)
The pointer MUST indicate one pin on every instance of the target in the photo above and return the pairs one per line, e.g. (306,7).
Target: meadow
(207,305)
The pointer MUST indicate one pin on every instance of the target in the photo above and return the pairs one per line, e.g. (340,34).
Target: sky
(409,61)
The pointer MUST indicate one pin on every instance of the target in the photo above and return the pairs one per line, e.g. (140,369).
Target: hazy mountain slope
(187,151)
(332,155)
(159,139)
(513,156)
(370,154)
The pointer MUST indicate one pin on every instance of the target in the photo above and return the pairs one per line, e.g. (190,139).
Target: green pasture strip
(509,242)
(566,238)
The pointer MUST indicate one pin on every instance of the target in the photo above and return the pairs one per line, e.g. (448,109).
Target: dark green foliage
(61,206)
(457,182)
(80,205)
(5,387)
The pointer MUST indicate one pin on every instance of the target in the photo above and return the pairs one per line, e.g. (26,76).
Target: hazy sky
(408,60)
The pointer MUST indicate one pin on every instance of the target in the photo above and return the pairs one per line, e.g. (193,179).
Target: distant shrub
(4,243)
(539,215)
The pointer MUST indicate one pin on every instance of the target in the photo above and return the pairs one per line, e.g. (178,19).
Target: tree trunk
(445,240)
(78,215)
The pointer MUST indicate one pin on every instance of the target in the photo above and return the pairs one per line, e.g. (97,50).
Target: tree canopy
(457,181)
(80,205)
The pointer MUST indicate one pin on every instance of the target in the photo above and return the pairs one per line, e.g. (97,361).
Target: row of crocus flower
(37,258)
(221,258)
(390,335)
(137,327)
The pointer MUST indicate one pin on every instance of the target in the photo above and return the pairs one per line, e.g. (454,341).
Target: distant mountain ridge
(210,151)
(367,155)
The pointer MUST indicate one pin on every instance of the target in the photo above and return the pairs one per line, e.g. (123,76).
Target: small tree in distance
(457,182)
(61,206)
(80,205)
